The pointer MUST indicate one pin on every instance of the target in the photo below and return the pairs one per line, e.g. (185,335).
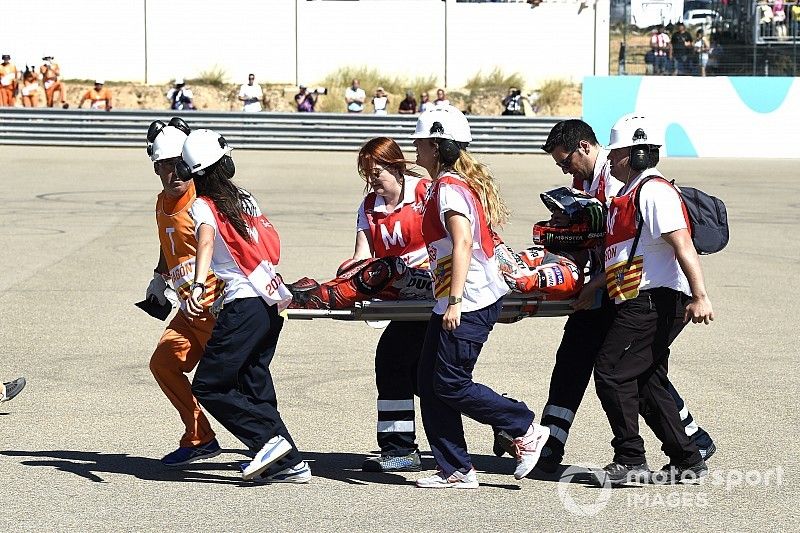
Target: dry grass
(370,78)
(495,80)
(214,76)
(551,94)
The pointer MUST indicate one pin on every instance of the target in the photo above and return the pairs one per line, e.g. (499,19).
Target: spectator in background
(50,72)
(355,97)
(779,17)
(441,98)
(305,100)
(512,103)
(380,101)
(659,45)
(649,62)
(99,97)
(250,94)
(682,45)
(9,82)
(30,87)
(714,56)
(180,97)
(425,102)
(701,49)
(409,104)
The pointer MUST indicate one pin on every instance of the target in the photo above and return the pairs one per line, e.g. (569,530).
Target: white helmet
(202,149)
(633,129)
(443,122)
(167,144)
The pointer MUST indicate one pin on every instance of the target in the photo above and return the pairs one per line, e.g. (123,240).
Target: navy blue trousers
(446,389)
(233,381)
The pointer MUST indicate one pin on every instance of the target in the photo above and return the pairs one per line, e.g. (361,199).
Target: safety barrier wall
(703,117)
(260,131)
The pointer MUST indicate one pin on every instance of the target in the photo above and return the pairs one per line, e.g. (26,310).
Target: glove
(155,291)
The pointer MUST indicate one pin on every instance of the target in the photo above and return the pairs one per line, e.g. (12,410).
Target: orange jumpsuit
(184,340)
(50,73)
(8,84)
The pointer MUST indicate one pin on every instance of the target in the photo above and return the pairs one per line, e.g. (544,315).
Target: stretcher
(515,307)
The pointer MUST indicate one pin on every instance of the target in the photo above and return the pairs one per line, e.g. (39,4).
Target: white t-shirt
(222,263)
(380,102)
(357,94)
(441,102)
(424,106)
(253,94)
(484,284)
(662,213)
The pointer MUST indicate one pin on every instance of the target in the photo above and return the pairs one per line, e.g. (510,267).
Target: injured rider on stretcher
(565,249)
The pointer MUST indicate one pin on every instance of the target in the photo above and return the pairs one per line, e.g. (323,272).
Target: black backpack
(708,219)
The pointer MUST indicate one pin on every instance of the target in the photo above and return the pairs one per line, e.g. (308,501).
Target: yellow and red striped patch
(624,284)
(442,276)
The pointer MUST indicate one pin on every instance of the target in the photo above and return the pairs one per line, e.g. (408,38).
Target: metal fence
(258,131)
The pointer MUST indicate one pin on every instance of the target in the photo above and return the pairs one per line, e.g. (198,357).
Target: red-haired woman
(390,225)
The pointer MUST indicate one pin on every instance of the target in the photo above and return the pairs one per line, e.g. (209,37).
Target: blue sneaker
(185,455)
(275,448)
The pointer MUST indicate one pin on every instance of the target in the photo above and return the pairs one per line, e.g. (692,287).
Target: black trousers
(630,375)
(396,359)
(584,333)
(233,381)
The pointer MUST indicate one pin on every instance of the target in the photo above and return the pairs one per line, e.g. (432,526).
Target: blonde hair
(480,180)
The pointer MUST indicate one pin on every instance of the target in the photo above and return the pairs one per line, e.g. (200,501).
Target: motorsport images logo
(590,502)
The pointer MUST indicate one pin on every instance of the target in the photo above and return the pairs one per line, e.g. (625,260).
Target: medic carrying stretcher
(543,278)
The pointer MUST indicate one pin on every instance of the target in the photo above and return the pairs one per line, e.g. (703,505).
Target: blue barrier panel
(703,117)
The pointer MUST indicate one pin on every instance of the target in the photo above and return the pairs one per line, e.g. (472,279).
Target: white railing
(259,131)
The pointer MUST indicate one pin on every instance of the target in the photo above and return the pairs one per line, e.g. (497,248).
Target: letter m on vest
(393,239)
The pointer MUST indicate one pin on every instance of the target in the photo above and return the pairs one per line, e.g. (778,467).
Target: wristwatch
(453,300)
(194,285)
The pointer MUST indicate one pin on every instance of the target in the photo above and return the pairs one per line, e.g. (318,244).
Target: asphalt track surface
(79,447)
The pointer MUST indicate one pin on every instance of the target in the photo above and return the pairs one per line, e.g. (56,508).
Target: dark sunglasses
(565,163)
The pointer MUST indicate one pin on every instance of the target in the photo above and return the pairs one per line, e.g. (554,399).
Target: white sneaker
(529,448)
(455,481)
(274,449)
(299,473)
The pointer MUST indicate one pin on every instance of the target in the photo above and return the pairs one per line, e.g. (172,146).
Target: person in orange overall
(50,72)
(99,97)
(184,340)
(9,82)
(30,88)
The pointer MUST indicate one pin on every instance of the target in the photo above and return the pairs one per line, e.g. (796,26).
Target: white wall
(185,37)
